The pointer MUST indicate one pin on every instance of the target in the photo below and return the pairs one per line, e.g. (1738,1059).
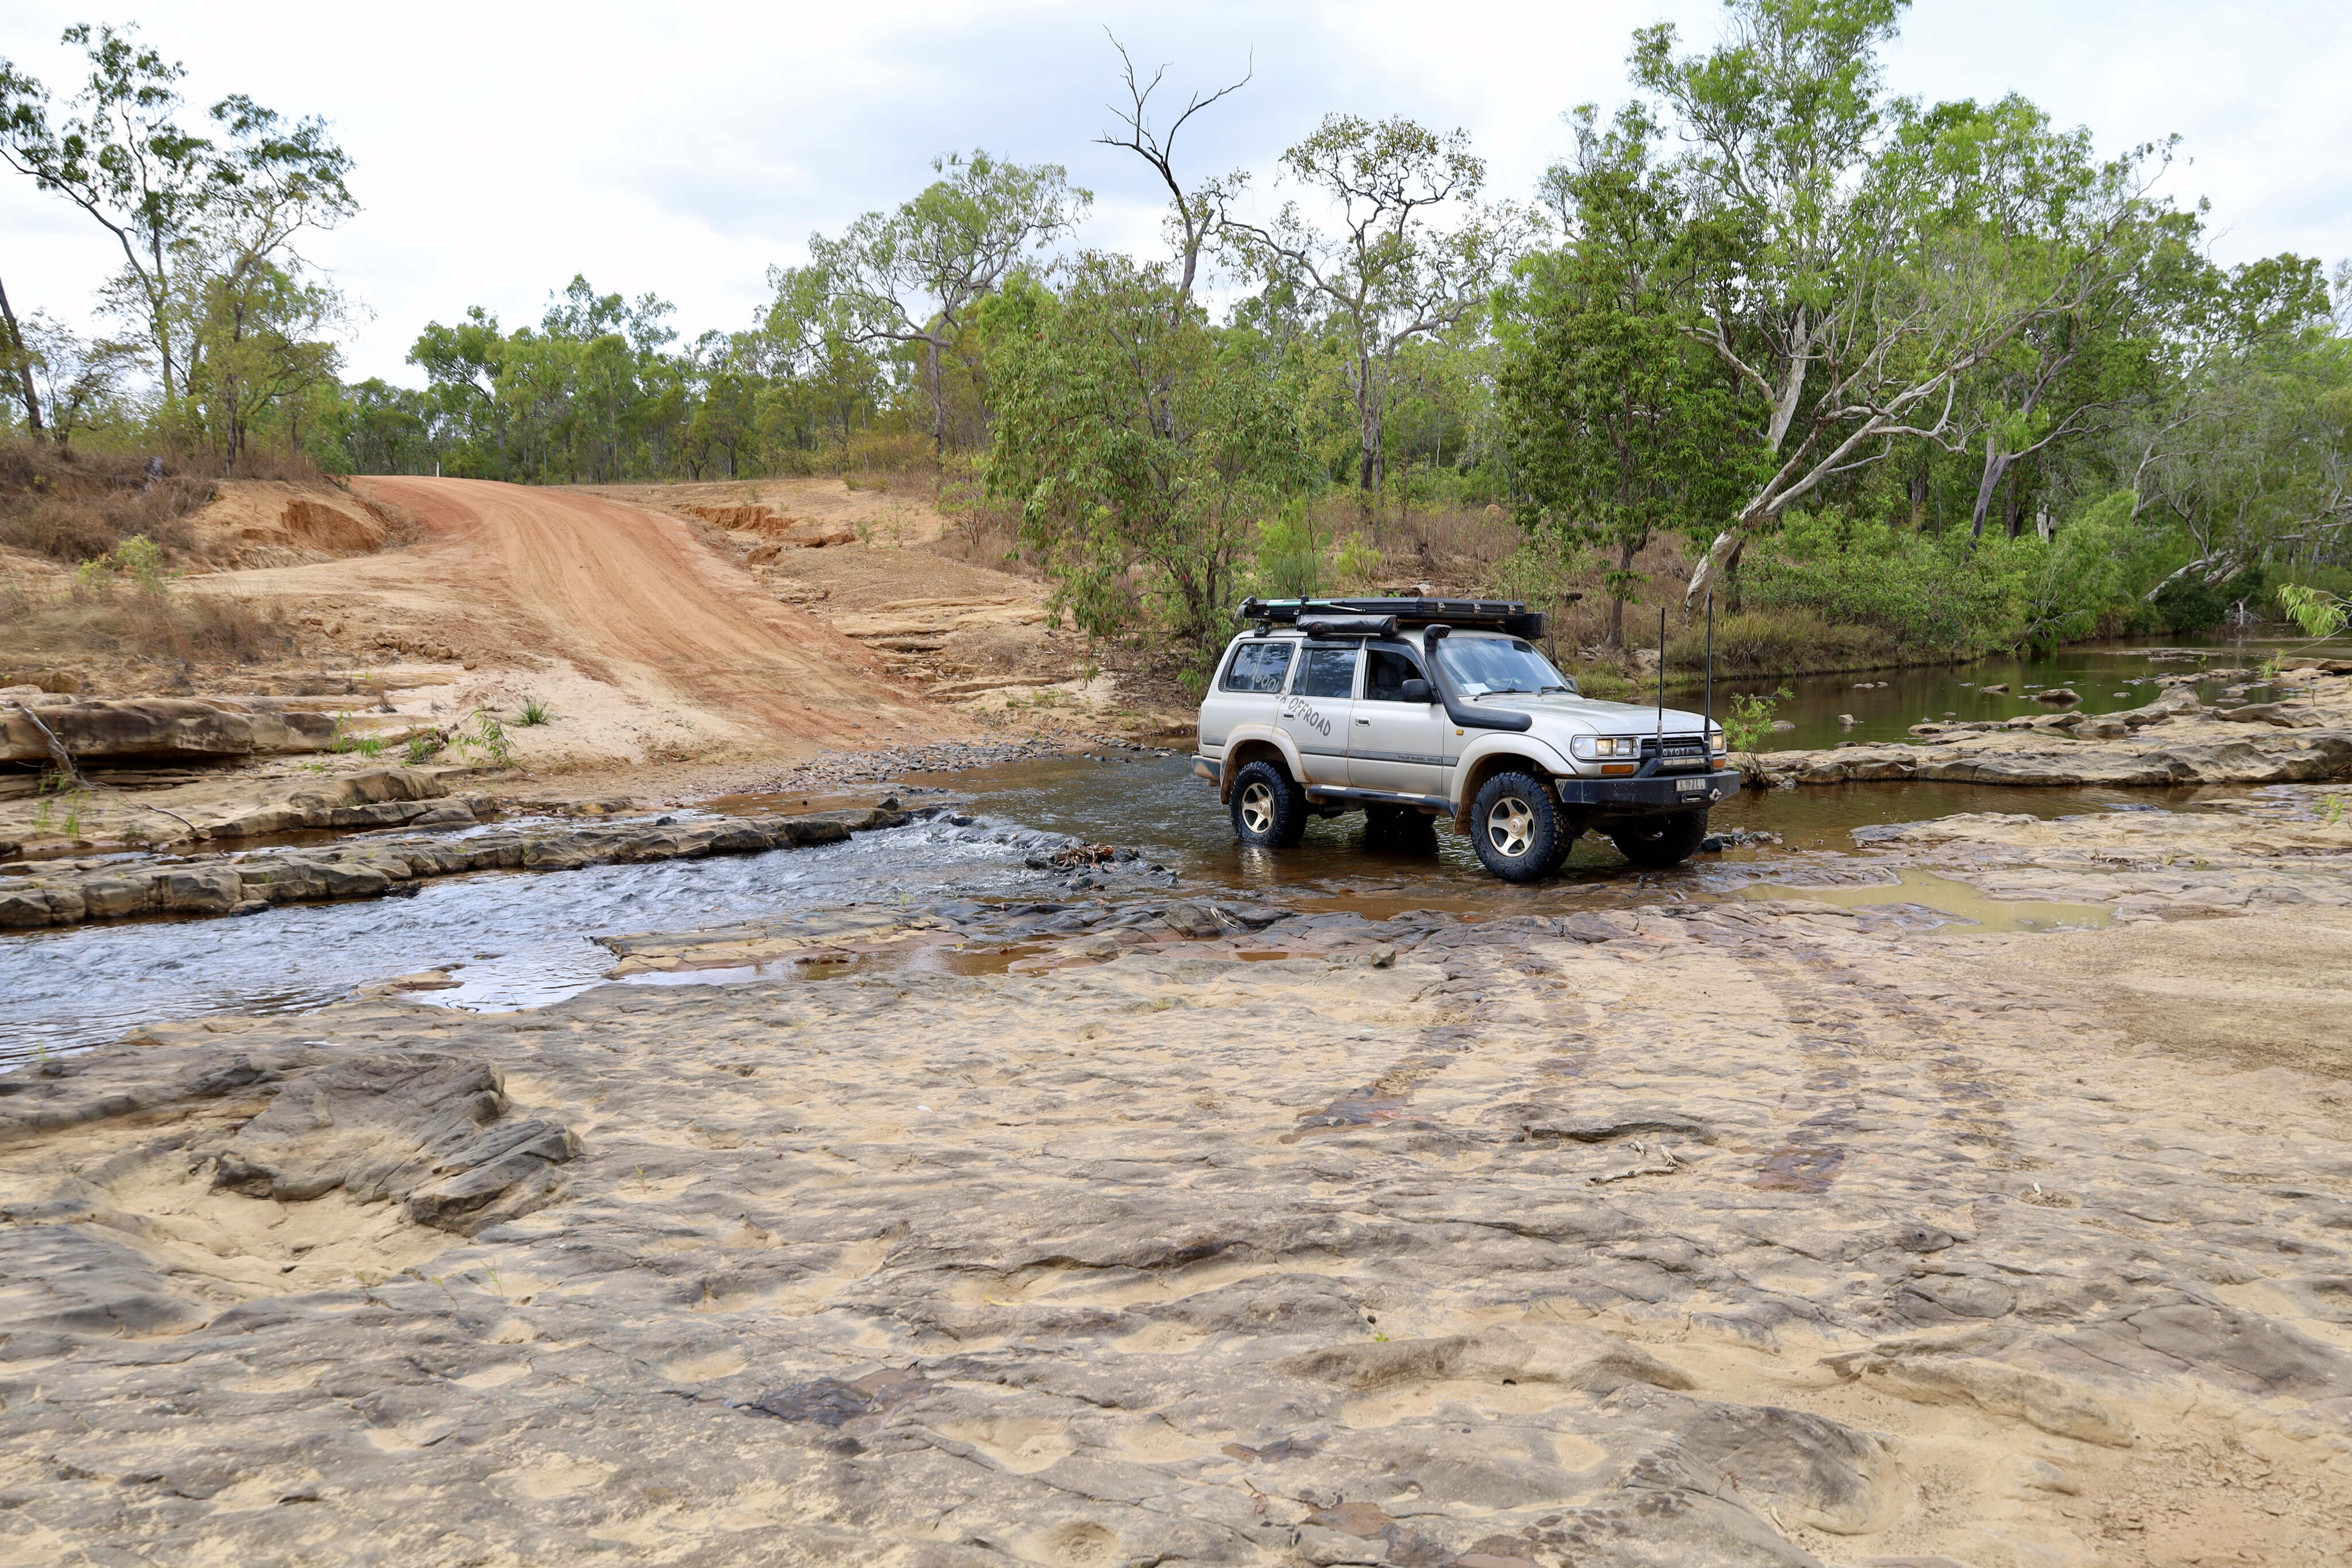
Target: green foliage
(138,558)
(1926,594)
(2320,612)
(1748,717)
(422,748)
(1621,426)
(1289,558)
(205,224)
(489,738)
(1142,448)
(534,712)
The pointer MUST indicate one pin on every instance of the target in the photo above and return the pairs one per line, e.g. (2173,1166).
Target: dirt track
(629,599)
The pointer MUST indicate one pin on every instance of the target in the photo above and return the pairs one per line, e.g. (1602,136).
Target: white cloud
(681,150)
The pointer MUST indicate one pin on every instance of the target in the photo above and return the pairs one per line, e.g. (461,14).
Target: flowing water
(515,939)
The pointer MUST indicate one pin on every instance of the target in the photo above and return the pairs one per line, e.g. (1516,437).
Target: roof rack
(1503,614)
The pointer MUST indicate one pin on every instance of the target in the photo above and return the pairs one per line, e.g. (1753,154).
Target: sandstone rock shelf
(1752,1233)
(235,883)
(2305,738)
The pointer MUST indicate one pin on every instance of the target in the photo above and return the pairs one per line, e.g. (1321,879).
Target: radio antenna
(1707,735)
(1662,684)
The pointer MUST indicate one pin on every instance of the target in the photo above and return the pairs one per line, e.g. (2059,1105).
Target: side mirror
(1414,691)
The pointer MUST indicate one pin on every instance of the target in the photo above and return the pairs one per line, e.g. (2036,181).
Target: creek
(2108,678)
(516,939)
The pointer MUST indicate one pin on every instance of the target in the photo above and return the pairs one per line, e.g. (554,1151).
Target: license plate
(1689,786)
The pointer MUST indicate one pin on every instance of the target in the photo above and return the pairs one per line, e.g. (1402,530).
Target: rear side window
(1329,673)
(1258,667)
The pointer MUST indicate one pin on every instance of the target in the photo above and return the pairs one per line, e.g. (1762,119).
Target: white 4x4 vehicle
(1413,710)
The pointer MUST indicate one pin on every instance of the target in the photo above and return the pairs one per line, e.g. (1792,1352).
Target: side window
(1258,667)
(1389,669)
(1329,673)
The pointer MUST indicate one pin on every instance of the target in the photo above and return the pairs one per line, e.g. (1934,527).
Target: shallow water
(2109,678)
(1925,889)
(517,939)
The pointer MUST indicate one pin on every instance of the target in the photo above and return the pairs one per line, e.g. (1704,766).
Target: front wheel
(1269,807)
(1518,827)
(1653,842)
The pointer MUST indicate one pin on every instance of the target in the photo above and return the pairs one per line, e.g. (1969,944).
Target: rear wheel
(1662,841)
(1518,827)
(1269,807)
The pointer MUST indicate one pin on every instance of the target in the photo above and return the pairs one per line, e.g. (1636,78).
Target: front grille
(1681,751)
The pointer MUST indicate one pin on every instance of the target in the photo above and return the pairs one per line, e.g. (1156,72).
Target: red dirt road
(632,598)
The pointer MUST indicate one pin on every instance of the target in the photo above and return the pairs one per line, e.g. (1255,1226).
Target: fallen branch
(58,752)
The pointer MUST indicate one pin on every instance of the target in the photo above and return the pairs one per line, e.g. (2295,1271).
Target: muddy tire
(1653,842)
(1518,827)
(1269,807)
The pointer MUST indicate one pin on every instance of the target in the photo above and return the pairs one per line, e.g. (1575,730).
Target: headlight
(1715,742)
(1588,746)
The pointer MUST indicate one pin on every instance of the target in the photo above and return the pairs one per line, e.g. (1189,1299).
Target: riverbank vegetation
(1889,381)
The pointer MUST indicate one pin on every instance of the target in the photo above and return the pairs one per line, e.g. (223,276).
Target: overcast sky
(684,148)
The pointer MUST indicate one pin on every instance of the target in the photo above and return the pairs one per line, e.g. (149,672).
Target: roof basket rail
(1507,615)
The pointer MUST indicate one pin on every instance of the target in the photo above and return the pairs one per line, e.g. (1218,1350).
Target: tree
(1191,218)
(1390,274)
(79,378)
(123,159)
(255,344)
(813,337)
(17,364)
(1135,443)
(2251,456)
(1620,426)
(1857,303)
(911,277)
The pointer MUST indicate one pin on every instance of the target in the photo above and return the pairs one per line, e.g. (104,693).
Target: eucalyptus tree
(911,277)
(2249,451)
(245,189)
(814,344)
(1141,448)
(1193,215)
(1410,254)
(1857,304)
(1620,426)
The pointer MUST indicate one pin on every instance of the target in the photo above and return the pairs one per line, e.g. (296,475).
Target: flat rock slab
(232,884)
(1907,1250)
(2169,742)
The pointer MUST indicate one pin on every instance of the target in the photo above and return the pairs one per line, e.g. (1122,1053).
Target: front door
(1392,744)
(1315,713)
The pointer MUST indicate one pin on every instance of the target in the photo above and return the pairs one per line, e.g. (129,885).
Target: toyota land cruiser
(1413,710)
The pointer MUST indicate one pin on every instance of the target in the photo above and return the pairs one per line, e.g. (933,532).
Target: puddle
(1946,896)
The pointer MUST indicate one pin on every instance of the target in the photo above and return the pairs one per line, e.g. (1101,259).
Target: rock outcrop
(208,729)
(2168,742)
(64,892)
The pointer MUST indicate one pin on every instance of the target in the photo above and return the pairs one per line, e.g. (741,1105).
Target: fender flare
(1245,744)
(1487,754)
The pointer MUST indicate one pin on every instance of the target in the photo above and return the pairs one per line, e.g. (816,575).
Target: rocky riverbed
(2302,736)
(62,892)
(1709,1232)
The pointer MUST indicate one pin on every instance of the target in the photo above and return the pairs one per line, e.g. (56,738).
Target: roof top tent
(1504,615)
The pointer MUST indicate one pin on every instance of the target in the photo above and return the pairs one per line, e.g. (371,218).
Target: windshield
(1481,666)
